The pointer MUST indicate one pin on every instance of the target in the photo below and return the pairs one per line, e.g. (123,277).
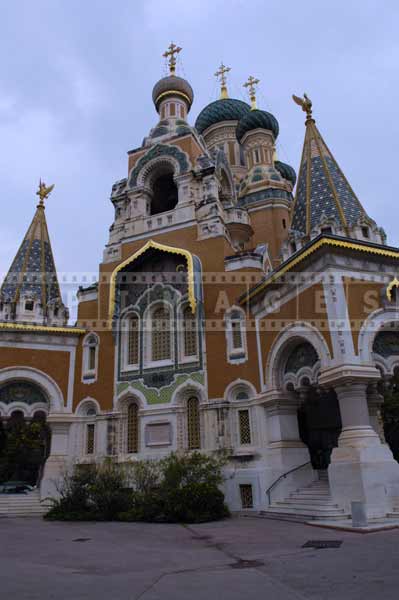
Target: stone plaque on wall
(158,434)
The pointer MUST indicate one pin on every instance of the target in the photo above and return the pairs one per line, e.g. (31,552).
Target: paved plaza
(240,558)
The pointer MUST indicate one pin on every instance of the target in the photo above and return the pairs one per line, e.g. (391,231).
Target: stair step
(22,505)
(306,508)
(301,517)
(310,501)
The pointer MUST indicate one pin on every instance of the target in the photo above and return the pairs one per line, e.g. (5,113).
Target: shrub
(179,488)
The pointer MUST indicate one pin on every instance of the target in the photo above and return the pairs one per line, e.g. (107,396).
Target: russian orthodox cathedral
(238,310)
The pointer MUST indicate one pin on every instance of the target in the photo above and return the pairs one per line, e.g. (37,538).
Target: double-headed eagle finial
(43,192)
(305,103)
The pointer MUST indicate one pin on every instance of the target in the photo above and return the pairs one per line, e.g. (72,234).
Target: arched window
(132,428)
(189,333)
(90,357)
(193,424)
(132,340)
(161,334)
(164,193)
(236,336)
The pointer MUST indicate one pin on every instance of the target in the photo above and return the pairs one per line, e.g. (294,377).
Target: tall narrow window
(132,428)
(161,334)
(133,341)
(237,340)
(193,424)
(189,332)
(236,336)
(90,435)
(244,426)
(90,357)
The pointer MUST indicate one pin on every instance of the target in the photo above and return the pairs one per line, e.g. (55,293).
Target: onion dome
(286,171)
(257,119)
(227,109)
(172,85)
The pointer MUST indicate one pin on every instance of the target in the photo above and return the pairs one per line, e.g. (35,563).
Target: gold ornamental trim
(172,93)
(309,251)
(44,328)
(163,248)
(392,284)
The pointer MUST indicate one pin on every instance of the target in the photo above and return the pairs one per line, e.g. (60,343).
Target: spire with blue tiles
(325,201)
(30,291)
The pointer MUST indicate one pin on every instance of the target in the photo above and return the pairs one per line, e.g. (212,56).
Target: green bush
(179,488)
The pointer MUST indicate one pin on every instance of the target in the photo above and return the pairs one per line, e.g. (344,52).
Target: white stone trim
(288,335)
(44,381)
(236,355)
(371,326)
(81,406)
(91,375)
(242,383)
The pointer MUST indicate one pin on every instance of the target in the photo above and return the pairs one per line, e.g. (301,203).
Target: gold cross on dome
(221,74)
(250,84)
(170,54)
(43,192)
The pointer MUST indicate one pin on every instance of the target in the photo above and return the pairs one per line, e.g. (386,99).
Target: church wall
(362,299)
(268,228)
(102,389)
(307,306)
(55,363)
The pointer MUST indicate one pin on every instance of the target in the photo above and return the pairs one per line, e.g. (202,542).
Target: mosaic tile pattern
(324,179)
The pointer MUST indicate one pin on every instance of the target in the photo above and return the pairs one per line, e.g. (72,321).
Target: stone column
(375,401)
(362,469)
(285,449)
(58,461)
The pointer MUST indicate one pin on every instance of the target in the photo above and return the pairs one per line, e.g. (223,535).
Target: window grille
(237,335)
(246,496)
(133,341)
(161,334)
(90,431)
(132,428)
(190,332)
(193,424)
(244,426)
(92,358)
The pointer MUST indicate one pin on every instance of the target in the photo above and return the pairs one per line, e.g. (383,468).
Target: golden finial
(250,84)
(221,74)
(305,103)
(170,54)
(43,192)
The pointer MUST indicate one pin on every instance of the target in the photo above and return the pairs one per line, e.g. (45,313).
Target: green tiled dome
(257,119)
(286,171)
(227,109)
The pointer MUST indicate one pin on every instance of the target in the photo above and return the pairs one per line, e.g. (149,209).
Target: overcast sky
(75,95)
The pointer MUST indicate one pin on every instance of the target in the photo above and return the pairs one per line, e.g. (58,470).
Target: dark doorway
(164,194)
(320,425)
(24,447)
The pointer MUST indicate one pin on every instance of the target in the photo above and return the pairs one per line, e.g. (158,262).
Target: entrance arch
(319,421)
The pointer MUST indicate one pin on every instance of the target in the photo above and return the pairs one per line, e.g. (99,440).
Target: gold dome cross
(250,84)
(221,74)
(170,54)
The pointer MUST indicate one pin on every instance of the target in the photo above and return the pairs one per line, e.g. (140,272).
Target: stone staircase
(313,502)
(22,505)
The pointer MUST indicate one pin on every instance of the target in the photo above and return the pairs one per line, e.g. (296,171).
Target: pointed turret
(325,201)
(30,291)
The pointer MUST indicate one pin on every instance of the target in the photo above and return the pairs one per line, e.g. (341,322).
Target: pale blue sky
(75,96)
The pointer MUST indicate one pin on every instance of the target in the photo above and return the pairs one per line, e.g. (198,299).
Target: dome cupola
(172,95)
